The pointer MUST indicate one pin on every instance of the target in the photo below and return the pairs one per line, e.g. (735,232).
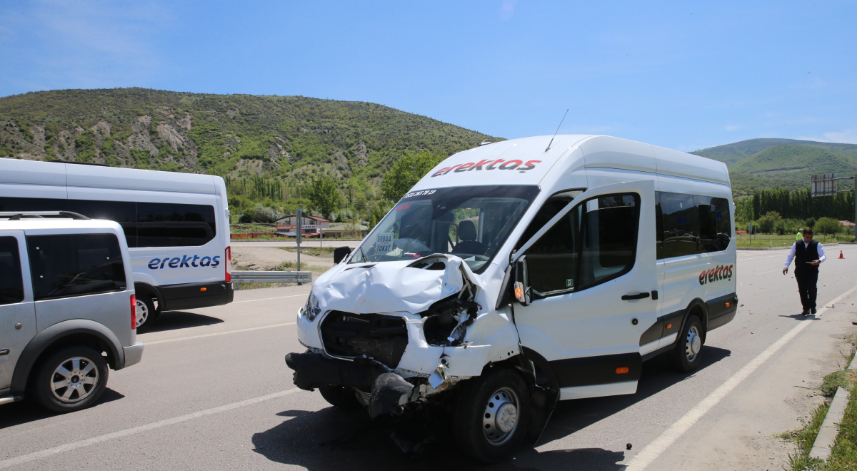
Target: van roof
(527,161)
(57,223)
(34,172)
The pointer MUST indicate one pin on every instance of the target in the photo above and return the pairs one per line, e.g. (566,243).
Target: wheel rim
(694,343)
(142,313)
(500,419)
(74,380)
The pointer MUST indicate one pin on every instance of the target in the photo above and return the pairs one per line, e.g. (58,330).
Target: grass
(844,454)
(774,240)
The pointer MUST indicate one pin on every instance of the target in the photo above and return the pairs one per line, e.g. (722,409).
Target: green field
(774,240)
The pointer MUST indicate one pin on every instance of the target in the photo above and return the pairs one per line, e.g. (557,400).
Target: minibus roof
(527,161)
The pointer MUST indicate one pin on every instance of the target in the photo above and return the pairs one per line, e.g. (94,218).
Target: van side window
(11,280)
(680,225)
(595,242)
(75,265)
(174,225)
(691,224)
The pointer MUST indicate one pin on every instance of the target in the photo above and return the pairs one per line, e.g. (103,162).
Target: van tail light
(133,312)
(228,260)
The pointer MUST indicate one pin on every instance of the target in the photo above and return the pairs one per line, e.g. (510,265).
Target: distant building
(310,225)
(847,223)
(346,229)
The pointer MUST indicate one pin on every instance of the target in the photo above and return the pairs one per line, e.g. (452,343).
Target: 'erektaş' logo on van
(492,164)
(186,261)
(722,272)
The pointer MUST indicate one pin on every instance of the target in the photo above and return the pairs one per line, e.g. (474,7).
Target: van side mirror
(340,253)
(521,286)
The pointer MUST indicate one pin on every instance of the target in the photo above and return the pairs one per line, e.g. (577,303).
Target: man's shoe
(805,312)
(814,311)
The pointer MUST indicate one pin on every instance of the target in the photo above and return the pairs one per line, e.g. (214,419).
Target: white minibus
(176,224)
(520,273)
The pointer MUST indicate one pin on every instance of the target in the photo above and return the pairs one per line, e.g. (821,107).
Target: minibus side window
(722,221)
(174,225)
(11,280)
(75,265)
(680,225)
(595,242)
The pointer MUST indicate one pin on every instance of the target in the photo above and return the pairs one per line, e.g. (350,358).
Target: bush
(827,226)
(768,222)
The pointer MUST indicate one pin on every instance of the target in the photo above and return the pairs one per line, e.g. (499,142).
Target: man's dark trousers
(807,279)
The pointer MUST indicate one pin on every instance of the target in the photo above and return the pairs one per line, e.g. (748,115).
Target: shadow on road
(802,317)
(330,439)
(175,320)
(29,410)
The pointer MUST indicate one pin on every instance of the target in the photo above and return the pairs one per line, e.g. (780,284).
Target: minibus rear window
(469,222)
(75,265)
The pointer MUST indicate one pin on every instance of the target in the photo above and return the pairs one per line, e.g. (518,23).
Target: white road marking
(651,452)
(215,334)
(142,428)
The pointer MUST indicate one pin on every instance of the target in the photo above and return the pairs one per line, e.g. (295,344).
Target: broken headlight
(311,310)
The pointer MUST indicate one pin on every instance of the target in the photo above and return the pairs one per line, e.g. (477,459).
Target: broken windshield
(469,222)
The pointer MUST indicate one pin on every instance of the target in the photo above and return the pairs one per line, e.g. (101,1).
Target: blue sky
(676,74)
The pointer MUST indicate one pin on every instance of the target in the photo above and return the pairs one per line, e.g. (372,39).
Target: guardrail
(271,277)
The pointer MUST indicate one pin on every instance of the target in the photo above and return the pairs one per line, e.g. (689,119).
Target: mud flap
(545,394)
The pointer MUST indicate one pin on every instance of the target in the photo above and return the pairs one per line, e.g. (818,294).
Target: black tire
(687,354)
(147,317)
(81,393)
(479,406)
(340,396)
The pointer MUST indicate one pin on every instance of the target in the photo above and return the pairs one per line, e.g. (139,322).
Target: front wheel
(688,349)
(492,415)
(71,379)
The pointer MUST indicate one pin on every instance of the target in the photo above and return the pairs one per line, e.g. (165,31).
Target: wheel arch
(151,291)
(60,335)
(699,308)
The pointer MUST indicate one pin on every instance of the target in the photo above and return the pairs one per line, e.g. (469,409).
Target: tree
(325,196)
(406,172)
(827,226)
(769,221)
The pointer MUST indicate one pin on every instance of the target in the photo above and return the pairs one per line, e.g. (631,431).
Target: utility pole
(299,229)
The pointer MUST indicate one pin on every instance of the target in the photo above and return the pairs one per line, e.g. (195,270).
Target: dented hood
(406,286)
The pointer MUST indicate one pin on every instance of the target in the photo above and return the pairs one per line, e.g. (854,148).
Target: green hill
(796,162)
(280,137)
(738,151)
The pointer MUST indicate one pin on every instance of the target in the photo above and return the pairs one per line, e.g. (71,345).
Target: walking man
(808,255)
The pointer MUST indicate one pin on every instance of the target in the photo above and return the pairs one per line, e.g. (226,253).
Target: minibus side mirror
(521,286)
(340,253)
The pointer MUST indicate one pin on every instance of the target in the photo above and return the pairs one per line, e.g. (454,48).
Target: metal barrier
(271,277)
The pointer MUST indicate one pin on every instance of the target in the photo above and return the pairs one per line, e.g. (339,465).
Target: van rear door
(17,313)
(593,278)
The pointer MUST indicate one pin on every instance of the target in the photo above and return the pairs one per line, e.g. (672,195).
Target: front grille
(382,338)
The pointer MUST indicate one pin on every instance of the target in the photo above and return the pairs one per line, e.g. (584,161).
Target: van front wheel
(688,349)
(492,415)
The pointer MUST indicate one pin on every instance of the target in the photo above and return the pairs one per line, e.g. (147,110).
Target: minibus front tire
(70,379)
(492,415)
(341,397)
(687,354)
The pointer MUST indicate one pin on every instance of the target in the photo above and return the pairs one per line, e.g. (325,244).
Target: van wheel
(146,312)
(71,379)
(688,350)
(492,415)
(340,396)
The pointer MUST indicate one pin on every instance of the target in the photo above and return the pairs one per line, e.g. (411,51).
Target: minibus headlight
(311,310)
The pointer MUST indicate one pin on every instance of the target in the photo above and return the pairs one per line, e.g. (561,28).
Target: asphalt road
(213,392)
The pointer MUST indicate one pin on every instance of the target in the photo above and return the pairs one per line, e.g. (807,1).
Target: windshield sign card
(384,242)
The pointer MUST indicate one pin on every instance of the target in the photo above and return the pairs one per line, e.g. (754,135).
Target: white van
(67,310)
(517,274)
(176,224)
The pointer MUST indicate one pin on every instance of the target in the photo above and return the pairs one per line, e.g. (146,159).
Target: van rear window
(75,265)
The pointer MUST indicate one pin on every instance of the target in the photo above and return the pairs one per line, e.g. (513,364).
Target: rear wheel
(147,315)
(492,415)
(71,379)
(688,350)
(340,396)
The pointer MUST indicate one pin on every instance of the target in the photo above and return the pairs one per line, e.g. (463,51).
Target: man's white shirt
(821,256)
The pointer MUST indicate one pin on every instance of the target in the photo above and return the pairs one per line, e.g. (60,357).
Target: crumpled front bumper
(389,391)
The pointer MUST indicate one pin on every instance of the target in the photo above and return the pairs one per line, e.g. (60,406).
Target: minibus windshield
(470,222)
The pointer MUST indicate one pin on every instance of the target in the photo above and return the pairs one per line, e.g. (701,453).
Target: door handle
(4,351)
(631,297)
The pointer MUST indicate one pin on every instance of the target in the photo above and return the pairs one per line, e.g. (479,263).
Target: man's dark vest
(803,255)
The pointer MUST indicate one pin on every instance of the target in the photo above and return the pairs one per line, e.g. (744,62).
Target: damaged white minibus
(520,273)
